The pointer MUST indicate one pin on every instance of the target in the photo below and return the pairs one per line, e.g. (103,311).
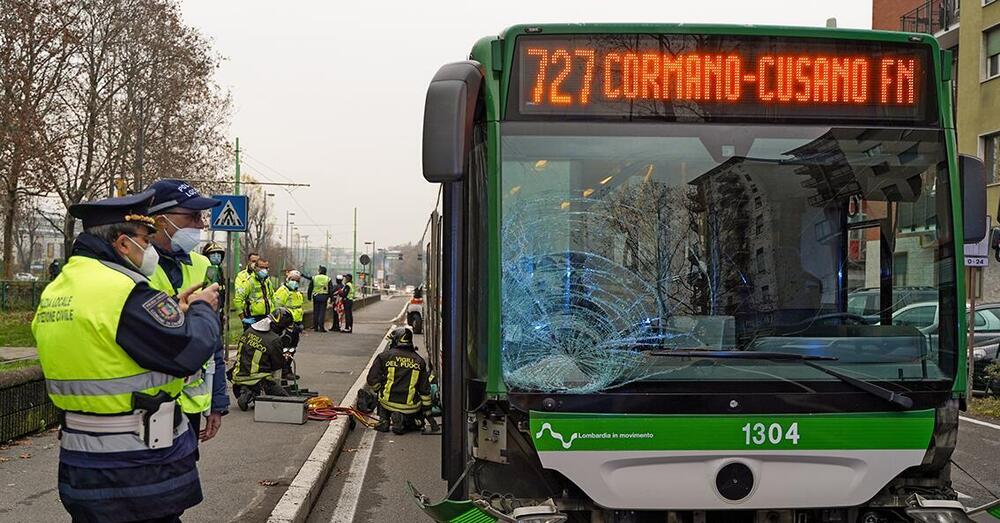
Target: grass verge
(987,407)
(15,329)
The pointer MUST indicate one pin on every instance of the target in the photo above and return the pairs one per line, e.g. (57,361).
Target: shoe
(382,425)
(398,422)
(244,400)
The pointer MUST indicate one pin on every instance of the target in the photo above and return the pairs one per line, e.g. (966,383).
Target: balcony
(931,17)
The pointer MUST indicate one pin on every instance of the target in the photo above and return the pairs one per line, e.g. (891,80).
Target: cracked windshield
(645,253)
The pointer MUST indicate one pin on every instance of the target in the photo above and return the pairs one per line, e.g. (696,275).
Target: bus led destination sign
(674,75)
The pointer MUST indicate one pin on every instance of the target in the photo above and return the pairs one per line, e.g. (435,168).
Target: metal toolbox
(280,409)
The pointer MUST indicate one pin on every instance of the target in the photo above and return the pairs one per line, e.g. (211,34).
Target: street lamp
(287,235)
(263,241)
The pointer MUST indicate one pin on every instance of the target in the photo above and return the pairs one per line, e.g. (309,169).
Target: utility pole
(236,245)
(326,251)
(354,259)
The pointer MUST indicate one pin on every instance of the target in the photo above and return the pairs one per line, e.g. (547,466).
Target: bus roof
(721,29)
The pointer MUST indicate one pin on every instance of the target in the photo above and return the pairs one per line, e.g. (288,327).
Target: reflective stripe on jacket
(75,329)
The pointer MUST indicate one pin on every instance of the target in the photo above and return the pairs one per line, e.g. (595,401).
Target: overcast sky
(331,93)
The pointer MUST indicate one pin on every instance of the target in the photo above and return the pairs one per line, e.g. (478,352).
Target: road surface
(243,455)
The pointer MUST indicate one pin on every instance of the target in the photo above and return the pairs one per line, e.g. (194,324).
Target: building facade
(970,29)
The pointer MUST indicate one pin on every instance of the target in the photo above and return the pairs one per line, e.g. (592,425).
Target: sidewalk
(17,353)
(236,467)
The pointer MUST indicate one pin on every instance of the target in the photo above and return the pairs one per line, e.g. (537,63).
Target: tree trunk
(9,214)
(69,225)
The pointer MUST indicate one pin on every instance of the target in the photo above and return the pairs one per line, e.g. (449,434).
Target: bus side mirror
(449,111)
(972,176)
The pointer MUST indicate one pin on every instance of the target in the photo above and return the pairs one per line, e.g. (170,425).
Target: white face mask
(150,259)
(184,240)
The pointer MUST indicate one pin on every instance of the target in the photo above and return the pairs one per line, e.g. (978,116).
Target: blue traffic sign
(231,216)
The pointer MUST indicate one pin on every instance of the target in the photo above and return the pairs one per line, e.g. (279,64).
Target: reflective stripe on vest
(321,284)
(106,443)
(75,329)
(195,398)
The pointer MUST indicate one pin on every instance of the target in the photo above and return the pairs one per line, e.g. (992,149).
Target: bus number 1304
(760,433)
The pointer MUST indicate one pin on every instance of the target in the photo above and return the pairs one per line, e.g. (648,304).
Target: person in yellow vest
(319,293)
(290,297)
(180,211)
(349,294)
(254,295)
(115,353)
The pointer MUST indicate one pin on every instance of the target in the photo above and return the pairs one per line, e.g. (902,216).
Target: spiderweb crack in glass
(568,325)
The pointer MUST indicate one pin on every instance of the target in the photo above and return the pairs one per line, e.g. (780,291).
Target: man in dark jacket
(404,398)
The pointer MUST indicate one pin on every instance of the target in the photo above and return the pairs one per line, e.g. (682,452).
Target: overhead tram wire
(288,191)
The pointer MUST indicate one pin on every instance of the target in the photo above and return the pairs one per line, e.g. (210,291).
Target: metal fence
(24,404)
(930,17)
(20,295)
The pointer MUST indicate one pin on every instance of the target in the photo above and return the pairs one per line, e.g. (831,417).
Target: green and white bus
(650,236)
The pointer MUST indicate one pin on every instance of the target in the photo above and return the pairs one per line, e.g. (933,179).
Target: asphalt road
(243,455)
(976,475)
(382,477)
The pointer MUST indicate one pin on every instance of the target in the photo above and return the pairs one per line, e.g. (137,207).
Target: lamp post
(287,235)
(263,239)
(305,252)
(368,277)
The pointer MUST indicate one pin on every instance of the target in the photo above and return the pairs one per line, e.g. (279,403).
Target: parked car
(25,276)
(865,302)
(924,316)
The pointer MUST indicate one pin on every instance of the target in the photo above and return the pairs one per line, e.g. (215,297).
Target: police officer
(349,295)
(319,292)
(179,212)
(254,296)
(115,353)
(248,271)
(400,378)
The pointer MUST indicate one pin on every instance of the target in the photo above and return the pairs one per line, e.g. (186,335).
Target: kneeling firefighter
(260,358)
(400,378)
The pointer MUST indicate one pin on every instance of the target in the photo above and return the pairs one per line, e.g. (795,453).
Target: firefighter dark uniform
(400,378)
(115,353)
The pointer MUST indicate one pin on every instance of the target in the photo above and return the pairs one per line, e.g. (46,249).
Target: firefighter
(260,358)
(400,378)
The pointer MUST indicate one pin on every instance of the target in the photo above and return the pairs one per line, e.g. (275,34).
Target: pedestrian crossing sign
(231,216)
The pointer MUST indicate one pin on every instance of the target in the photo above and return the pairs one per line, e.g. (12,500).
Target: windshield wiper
(807,359)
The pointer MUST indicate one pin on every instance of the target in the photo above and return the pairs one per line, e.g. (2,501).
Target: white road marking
(350,493)
(962,495)
(977,422)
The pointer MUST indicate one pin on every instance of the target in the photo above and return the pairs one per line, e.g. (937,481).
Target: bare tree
(35,49)
(141,88)
(26,232)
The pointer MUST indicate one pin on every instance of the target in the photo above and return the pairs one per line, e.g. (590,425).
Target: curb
(297,501)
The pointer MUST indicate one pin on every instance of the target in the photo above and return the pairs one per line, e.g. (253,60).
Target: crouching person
(400,378)
(260,358)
